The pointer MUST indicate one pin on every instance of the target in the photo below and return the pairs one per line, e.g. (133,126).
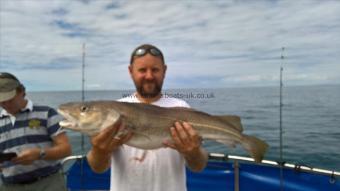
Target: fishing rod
(82,99)
(83,91)
(280,121)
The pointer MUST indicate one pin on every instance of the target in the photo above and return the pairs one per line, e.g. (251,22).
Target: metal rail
(223,157)
(218,156)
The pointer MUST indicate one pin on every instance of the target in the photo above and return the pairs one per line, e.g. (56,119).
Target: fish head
(87,117)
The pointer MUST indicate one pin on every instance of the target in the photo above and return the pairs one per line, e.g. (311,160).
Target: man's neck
(22,105)
(148,100)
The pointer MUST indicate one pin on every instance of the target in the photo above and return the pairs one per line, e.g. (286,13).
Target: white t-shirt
(135,169)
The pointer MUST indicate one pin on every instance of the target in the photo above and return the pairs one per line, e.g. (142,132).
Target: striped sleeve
(53,120)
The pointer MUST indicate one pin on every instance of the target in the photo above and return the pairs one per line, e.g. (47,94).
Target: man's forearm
(98,162)
(60,149)
(103,146)
(57,152)
(197,160)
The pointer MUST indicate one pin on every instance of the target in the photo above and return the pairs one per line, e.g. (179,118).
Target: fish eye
(84,109)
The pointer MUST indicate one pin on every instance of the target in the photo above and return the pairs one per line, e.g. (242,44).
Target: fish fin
(255,146)
(234,120)
(179,109)
(111,119)
(227,142)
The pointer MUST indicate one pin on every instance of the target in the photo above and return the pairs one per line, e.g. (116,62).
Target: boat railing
(218,156)
(68,161)
(222,157)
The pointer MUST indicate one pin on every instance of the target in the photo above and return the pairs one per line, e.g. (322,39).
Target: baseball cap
(8,86)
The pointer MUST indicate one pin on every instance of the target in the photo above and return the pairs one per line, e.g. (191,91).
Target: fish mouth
(69,120)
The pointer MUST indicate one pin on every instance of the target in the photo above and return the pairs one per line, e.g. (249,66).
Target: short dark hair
(21,88)
(147,47)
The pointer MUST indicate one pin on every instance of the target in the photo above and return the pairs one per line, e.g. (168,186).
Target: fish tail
(255,146)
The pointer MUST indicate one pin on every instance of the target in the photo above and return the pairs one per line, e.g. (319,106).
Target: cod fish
(151,124)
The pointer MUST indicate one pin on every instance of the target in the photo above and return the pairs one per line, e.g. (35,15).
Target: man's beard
(149,94)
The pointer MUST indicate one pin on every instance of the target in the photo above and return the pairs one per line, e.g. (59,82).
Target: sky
(207,44)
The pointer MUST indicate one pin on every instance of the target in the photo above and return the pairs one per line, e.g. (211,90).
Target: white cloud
(227,43)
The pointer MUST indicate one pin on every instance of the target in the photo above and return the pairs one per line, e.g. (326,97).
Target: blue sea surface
(311,118)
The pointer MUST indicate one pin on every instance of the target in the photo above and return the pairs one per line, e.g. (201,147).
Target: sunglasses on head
(143,51)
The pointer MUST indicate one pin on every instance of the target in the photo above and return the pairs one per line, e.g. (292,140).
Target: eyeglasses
(143,51)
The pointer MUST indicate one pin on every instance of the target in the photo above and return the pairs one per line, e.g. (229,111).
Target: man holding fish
(153,137)
(153,170)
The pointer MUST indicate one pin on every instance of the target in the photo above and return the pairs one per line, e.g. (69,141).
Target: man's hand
(104,144)
(185,139)
(187,142)
(60,149)
(27,157)
(108,140)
